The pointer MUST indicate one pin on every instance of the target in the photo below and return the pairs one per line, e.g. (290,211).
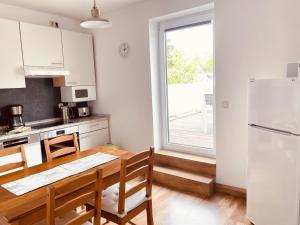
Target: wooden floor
(175,208)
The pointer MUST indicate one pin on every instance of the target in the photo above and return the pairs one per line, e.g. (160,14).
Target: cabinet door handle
(57,63)
(95,125)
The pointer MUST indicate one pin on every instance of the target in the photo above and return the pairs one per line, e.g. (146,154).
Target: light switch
(225,104)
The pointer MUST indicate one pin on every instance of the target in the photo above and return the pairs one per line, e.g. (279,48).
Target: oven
(56,133)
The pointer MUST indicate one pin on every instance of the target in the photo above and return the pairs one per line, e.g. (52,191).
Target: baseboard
(234,191)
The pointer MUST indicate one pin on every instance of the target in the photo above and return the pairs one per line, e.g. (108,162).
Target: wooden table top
(13,207)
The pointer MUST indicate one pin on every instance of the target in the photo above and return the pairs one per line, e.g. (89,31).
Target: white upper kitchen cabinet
(11,62)
(41,46)
(78,59)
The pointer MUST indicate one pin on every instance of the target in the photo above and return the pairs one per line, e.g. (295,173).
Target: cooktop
(45,125)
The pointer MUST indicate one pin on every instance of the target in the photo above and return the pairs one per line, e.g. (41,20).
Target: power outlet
(225,104)
(53,24)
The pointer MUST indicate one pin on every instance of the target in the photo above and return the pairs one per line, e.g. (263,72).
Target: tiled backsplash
(39,100)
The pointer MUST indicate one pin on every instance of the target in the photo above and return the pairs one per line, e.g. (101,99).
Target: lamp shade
(96,23)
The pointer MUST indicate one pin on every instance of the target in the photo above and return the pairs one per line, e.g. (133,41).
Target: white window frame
(168,25)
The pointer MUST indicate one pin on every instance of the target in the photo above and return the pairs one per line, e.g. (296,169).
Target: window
(187,59)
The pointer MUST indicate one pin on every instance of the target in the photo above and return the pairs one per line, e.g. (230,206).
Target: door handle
(95,125)
(71,82)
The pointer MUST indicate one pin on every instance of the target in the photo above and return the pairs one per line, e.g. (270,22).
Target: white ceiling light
(96,22)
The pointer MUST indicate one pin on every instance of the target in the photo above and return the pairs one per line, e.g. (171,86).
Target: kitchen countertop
(74,122)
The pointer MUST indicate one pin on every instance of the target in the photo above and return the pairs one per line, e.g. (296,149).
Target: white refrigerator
(274,152)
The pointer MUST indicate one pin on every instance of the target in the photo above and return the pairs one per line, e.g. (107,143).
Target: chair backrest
(62,199)
(139,166)
(63,150)
(13,165)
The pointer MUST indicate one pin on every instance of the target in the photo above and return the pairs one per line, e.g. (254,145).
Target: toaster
(83,111)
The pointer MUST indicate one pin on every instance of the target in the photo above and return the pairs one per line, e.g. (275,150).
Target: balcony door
(187,62)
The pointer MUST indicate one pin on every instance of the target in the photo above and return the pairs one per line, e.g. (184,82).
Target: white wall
(124,85)
(253,39)
(37,17)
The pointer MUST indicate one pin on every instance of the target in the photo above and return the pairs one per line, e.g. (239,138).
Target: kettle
(65,114)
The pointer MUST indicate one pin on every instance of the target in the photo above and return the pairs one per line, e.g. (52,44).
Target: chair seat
(62,221)
(110,200)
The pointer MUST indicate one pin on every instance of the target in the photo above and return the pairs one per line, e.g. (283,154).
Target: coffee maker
(16,112)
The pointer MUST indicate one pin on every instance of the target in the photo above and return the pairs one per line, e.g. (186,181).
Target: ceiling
(78,9)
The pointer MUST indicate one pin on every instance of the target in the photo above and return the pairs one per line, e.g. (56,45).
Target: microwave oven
(78,94)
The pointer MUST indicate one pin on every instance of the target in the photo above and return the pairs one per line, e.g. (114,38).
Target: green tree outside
(184,70)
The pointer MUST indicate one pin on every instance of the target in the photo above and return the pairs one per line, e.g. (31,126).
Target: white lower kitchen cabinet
(11,62)
(93,139)
(93,134)
(33,154)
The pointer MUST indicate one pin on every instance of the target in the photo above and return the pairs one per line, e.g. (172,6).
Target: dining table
(30,208)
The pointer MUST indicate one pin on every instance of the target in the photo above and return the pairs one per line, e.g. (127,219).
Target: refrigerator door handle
(283,132)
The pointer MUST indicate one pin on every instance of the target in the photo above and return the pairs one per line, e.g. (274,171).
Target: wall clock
(124,50)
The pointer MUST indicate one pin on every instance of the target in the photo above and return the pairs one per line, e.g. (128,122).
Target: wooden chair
(62,151)
(62,200)
(6,168)
(132,199)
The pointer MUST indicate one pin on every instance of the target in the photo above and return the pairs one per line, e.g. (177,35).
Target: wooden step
(184,181)
(187,162)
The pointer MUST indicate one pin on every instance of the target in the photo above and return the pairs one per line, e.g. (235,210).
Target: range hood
(45,72)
